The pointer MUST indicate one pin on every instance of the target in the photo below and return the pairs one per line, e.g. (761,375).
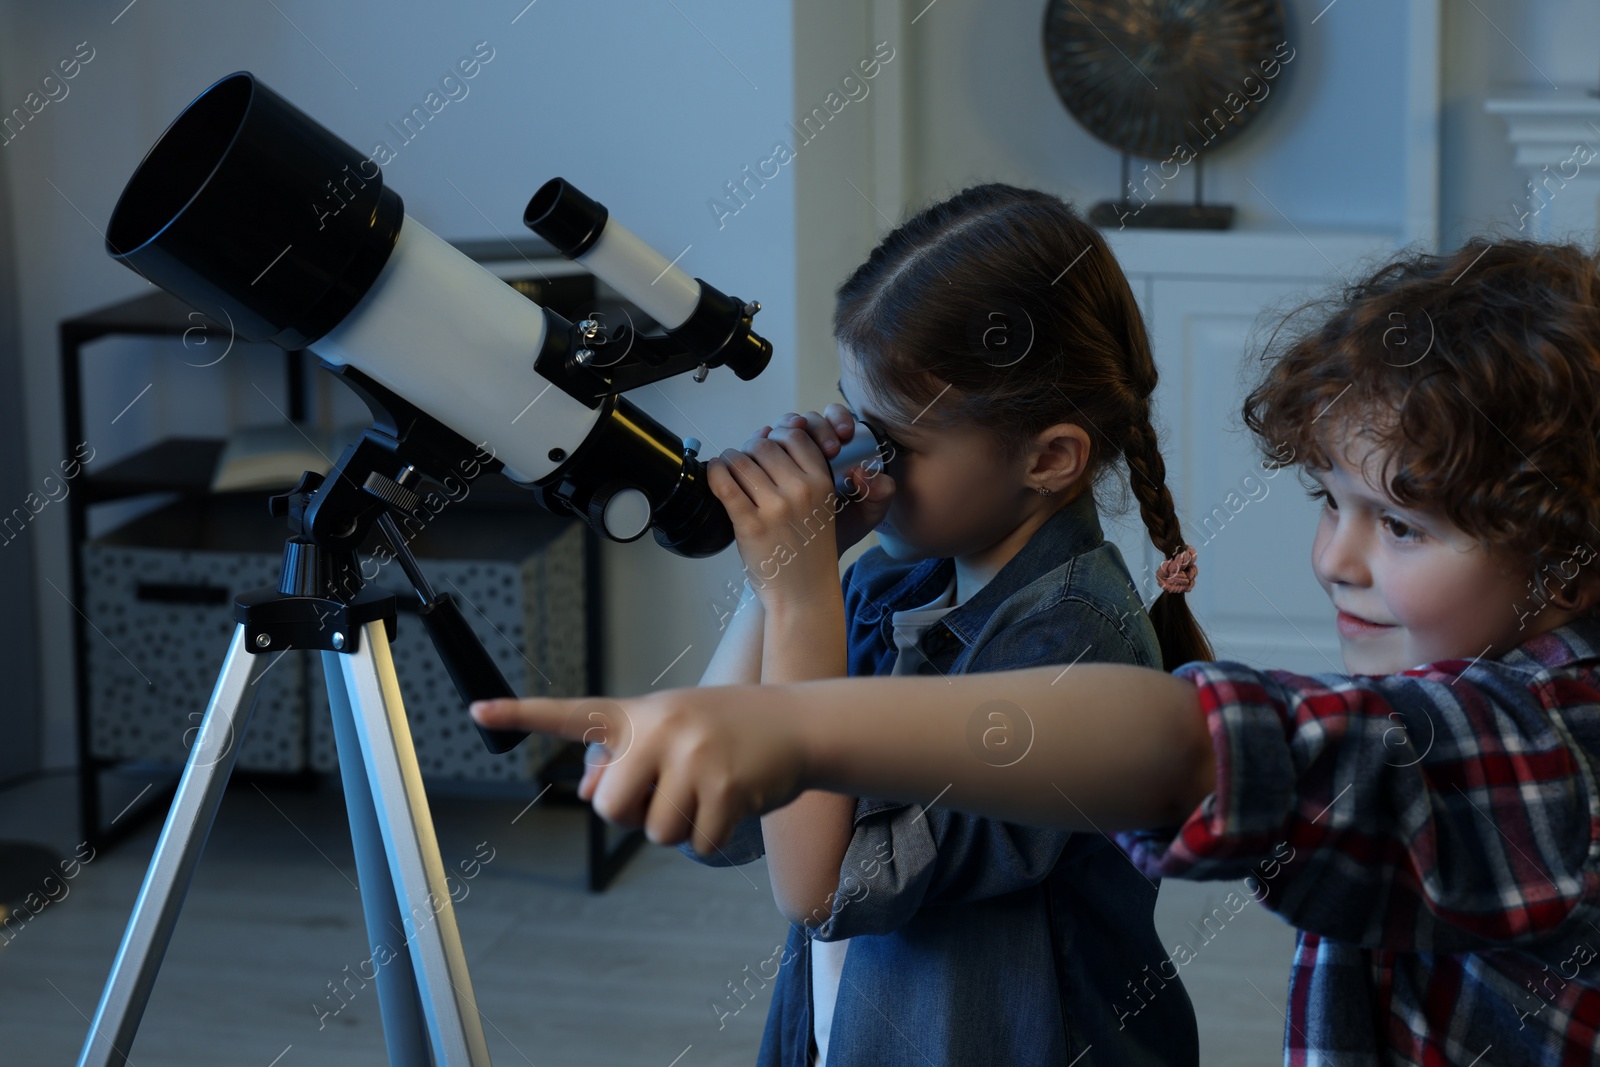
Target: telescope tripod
(424,991)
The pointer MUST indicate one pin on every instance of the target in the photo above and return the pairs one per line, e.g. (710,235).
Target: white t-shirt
(827,957)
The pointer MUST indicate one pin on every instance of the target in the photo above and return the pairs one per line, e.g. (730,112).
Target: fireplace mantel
(1556,137)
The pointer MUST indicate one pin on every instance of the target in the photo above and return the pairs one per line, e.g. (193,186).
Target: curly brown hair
(1476,374)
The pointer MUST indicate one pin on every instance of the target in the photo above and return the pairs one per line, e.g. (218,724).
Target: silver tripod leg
(183,838)
(405,1032)
(416,873)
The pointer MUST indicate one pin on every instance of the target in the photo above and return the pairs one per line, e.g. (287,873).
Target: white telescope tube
(459,343)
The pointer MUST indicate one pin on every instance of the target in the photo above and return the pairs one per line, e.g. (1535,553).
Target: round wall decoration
(1145,76)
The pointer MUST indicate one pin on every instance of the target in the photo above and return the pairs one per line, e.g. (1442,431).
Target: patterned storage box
(162,620)
(159,593)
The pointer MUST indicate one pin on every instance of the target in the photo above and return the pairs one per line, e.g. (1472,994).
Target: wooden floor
(272,925)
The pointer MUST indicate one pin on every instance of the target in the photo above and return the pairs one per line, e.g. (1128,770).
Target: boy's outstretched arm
(1112,747)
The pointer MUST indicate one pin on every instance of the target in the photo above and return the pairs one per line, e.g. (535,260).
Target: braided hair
(1007,308)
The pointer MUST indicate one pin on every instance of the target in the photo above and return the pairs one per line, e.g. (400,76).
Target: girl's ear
(1058,458)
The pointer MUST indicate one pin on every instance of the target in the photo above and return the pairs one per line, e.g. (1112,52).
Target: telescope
(262,219)
(230,212)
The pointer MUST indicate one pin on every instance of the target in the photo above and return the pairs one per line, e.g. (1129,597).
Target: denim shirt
(976,941)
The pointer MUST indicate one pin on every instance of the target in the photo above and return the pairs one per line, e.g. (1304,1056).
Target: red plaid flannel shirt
(1435,837)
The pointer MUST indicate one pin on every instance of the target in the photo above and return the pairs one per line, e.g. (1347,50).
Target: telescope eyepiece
(566,218)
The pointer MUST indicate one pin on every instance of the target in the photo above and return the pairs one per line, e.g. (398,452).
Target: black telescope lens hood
(254,213)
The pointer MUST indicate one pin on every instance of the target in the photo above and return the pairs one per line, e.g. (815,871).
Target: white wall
(835,223)
(648,107)
(19,647)
(1327,147)
(1492,45)
(1327,152)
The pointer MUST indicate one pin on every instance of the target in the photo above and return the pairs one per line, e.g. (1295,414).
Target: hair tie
(1177,575)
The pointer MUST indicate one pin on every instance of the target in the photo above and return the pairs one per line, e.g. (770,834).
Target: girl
(1431,823)
(1009,388)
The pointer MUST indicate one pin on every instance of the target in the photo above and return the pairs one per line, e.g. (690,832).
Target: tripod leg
(415,868)
(183,837)
(404,1031)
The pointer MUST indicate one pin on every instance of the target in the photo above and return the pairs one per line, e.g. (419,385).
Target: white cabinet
(1209,300)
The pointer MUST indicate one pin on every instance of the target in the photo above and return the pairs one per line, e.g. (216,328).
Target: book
(274,456)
